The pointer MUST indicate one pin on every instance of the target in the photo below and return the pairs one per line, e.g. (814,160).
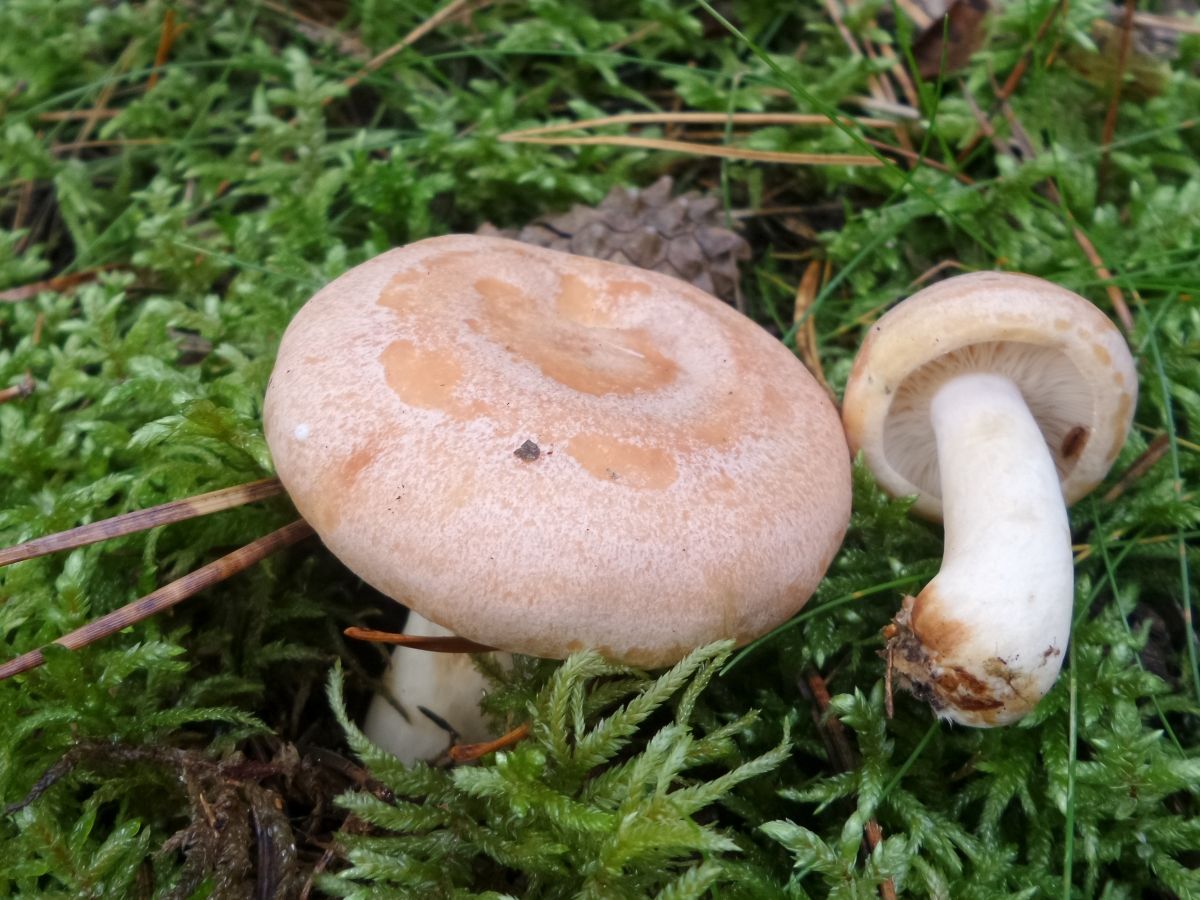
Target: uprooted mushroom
(997,400)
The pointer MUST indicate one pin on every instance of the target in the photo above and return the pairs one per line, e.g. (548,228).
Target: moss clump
(187,216)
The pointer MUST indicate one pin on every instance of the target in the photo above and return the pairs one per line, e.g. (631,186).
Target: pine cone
(680,236)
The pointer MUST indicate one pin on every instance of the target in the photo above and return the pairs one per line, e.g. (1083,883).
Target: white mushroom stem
(446,684)
(984,641)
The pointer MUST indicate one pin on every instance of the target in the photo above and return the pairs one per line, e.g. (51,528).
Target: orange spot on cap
(623,463)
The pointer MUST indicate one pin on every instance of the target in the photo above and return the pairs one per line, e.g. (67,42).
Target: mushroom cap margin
(1004,311)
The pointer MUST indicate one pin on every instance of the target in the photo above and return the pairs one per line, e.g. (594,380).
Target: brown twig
(1018,71)
(697,149)
(887,890)
(1084,551)
(800,209)
(1014,77)
(142,519)
(451,644)
(73,115)
(871,52)
(895,110)
(72,146)
(692,117)
(914,156)
(352,825)
(903,79)
(166,39)
(321,33)
(914,11)
(166,597)
(1110,117)
(834,11)
(461,753)
(934,270)
(895,72)
(805,323)
(633,37)
(844,755)
(846,759)
(447,12)
(982,122)
(58,283)
(100,107)
(17,391)
(1115,296)
(553,135)
(1156,450)
(879,88)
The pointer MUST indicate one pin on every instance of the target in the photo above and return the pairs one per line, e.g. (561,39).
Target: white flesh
(985,640)
(447,684)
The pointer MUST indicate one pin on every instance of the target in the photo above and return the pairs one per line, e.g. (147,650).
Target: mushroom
(996,399)
(434,697)
(544,453)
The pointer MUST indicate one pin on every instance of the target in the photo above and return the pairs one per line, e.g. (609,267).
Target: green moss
(210,206)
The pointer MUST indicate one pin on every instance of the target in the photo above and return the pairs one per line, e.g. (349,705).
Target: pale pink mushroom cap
(1070,362)
(691,480)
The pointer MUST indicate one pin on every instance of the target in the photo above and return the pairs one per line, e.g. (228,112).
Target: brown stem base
(954,692)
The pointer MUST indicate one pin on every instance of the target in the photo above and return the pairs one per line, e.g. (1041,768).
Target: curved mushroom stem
(984,641)
(440,694)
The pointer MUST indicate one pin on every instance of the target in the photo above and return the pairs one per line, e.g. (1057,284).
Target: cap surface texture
(1068,359)
(545,453)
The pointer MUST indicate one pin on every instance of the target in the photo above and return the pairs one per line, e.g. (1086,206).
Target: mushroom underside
(1055,392)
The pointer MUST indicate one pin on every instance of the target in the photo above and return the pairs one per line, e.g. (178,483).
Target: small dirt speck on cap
(528,452)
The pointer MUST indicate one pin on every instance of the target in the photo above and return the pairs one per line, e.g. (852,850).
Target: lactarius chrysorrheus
(997,400)
(544,452)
